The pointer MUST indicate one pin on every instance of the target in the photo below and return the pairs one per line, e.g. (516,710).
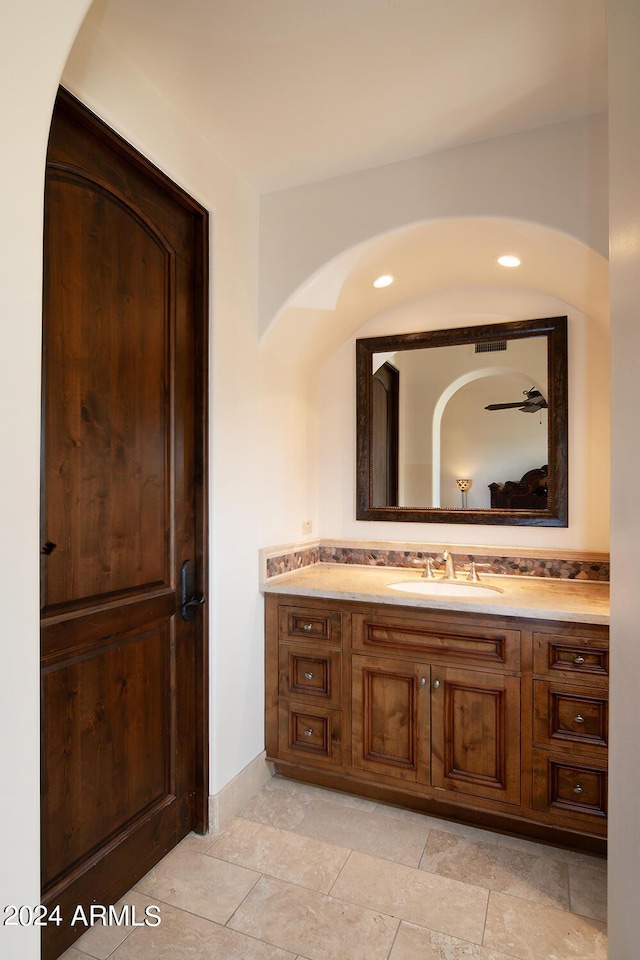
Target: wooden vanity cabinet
(493,720)
(452,716)
(570,669)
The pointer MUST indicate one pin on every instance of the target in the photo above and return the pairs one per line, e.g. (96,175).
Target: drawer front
(572,658)
(571,716)
(310,625)
(309,673)
(460,642)
(309,734)
(574,789)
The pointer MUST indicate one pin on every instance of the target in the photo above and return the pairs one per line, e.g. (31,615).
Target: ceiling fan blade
(505,406)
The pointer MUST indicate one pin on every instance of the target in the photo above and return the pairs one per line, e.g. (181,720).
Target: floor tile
(439,903)
(374,832)
(285,803)
(312,924)
(418,943)
(563,854)
(100,941)
(466,830)
(531,931)
(588,888)
(199,884)
(73,954)
(279,853)
(506,869)
(182,936)
(199,844)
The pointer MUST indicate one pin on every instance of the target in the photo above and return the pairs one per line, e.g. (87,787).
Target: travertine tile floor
(308,874)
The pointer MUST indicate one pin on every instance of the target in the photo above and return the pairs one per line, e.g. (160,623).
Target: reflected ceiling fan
(534,401)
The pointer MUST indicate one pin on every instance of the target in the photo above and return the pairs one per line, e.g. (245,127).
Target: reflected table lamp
(463,485)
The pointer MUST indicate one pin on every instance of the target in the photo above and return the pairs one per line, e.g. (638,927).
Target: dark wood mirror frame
(556,512)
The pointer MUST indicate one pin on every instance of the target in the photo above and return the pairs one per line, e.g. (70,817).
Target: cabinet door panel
(571,716)
(575,790)
(305,672)
(391,718)
(476,733)
(309,734)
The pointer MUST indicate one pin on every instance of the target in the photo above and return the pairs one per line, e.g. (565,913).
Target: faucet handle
(428,570)
(473,573)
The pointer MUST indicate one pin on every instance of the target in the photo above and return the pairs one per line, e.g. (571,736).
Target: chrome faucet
(449,566)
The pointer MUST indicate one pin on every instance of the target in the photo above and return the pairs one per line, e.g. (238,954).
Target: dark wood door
(123,674)
(385,411)
(391,718)
(475,725)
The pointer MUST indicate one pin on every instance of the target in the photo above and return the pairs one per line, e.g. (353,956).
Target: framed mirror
(466,425)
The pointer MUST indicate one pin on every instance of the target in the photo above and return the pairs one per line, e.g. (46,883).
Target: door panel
(123,676)
(475,733)
(391,718)
(89,747)
(107,394)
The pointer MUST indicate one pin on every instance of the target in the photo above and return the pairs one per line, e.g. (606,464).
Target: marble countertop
(543,598)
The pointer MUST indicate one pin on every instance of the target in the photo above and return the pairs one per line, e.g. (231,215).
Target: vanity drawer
(461,642)
(572,716)
(310,624)
(576,789)
(309,673)
(309,733)
(571,657)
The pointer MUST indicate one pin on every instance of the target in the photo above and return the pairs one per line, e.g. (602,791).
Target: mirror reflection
(464,425)
(471,412)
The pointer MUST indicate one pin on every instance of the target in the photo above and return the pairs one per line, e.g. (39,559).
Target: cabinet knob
(579,659)
(307,627)
(308,675)
(423,682)
(577,788)
(436,684)
(579,718)
(308,733)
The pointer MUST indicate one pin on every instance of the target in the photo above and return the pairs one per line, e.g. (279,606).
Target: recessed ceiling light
(384,281)
(509,261)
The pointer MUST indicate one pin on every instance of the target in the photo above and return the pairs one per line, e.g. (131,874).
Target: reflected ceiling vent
(492,346)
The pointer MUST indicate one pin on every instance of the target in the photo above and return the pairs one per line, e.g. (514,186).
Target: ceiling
(292,91)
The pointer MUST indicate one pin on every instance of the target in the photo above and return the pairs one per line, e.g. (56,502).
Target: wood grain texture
(476,747)
(124,696)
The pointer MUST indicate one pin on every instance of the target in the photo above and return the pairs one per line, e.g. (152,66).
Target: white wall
(553,175)
(588,421)
(624,784)
(34,42)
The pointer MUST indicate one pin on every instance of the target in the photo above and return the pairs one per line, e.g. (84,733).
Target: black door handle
(189,601)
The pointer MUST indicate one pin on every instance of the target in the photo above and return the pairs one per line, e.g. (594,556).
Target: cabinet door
(391,718)
(476,733)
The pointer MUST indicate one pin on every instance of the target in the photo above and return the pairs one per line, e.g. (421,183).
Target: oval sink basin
(444,588)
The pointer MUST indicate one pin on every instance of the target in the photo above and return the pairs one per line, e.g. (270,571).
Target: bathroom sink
(445,588)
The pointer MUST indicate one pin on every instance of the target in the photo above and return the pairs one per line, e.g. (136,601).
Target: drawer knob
(308,733)
(436,684)
(579,718)
(423,682)
(579,659)
(308,626)
(308,675)
(578,788)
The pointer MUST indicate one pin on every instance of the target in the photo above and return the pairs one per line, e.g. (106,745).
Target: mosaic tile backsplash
(560,568)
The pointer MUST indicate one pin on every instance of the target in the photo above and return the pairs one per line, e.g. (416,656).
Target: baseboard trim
(228,802)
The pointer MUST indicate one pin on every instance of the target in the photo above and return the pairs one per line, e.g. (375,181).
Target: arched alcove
(465,468)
